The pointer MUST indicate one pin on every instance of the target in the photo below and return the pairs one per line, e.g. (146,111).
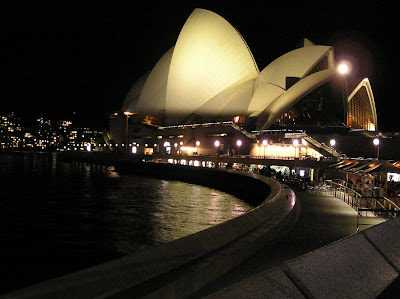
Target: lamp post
(344,69)
(265,143)
(197,146)
(332,142)
(216,143)
(376,142)
(127,113)
(176,148)
(238,143)
(295,143)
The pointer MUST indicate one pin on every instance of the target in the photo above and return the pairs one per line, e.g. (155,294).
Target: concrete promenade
(324,219)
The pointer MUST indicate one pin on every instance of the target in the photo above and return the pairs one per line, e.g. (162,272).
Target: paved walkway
(324,219)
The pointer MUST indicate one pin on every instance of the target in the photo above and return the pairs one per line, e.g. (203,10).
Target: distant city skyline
(45,134)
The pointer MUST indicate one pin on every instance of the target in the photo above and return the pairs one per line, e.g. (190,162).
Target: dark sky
(65,57)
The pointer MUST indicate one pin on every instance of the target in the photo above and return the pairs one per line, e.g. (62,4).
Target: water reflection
(184,209)
(65,217)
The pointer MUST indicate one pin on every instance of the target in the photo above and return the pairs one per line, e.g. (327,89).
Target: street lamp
(344,68)
(265,143)
(197,146)
(376,142)
(239,143)
(127,113)
(332,142)
(295,143)
(216,143)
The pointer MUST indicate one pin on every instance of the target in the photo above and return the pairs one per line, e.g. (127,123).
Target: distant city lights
(45,134)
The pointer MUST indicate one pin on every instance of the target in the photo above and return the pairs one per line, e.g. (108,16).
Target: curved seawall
(181,267)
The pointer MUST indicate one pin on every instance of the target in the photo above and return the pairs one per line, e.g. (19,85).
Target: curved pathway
(324,219)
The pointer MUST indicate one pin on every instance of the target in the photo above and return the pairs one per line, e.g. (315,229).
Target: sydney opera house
(207,95)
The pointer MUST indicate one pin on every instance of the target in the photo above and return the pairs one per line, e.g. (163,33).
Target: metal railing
(383,207)
(346,194)
(273,158)
(380,206)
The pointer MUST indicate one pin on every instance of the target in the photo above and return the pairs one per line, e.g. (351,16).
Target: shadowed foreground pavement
(323,220)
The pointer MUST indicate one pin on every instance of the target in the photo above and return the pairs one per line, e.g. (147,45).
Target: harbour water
(58,217)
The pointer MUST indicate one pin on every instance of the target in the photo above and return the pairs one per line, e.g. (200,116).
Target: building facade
(208,89)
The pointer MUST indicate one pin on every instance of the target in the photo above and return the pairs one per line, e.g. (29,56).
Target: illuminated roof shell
(211,72)
(296,63)
(264,95)
(369,107)
(132,98)
(153,96)
(292,96)
(231,101)
(210,56)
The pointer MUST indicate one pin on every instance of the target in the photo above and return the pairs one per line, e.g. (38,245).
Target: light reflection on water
(184,209)
(58,217)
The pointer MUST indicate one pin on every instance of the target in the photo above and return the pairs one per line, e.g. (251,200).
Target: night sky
(79,60)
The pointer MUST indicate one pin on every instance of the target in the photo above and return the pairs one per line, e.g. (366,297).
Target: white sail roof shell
(231,101)
(365,83)
(153,96)
(209,56)
(211,72)
(292,96)
(133,95)
(264,95)
(296,63)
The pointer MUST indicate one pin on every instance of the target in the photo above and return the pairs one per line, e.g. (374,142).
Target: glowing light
(295,142)
(332,142)
(376,141)
(344,68)
(197,143)
(393,177)
(216,143)
(188,149)
(265,142)
(239,142)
